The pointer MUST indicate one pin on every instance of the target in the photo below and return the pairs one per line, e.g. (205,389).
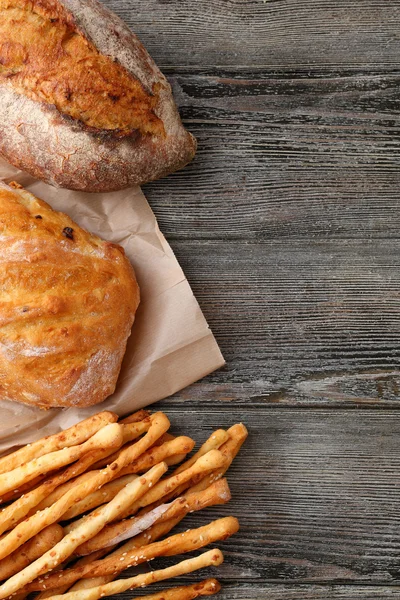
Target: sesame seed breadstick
(215,441)
(211,461)
(105,494)
(190,540)
(237,436)
(38,545)
(110,435)
(181,445)
(32,525)
(136,416)
(186,592)
(64,588)
(207,559)
(217,493)
(14,513)
(75,435)
(96,521)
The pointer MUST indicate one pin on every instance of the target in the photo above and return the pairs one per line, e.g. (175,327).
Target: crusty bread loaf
(82,104)
(67,304)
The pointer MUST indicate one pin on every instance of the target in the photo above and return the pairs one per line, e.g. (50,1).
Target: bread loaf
(67,304)
(82,104)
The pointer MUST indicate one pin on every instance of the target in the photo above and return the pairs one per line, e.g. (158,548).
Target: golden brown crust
(67,304)
(44,56)
(82,104)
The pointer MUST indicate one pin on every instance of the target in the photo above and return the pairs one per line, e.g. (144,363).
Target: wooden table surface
(287,225)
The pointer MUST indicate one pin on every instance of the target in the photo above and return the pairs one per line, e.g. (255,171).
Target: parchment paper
(171,345)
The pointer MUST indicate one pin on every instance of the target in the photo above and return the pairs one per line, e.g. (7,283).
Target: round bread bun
(67,304)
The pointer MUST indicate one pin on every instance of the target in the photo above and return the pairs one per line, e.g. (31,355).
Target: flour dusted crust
(82,104)
(67,304)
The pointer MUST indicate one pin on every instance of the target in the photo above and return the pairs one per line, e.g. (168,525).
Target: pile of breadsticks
(79,507)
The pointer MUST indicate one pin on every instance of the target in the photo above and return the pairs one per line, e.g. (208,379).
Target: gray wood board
(299,320)
(287,226)
(305,592)
(335,33)
(285,154)
(315,493)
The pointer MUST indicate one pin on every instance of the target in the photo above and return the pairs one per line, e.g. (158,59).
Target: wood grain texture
(290,33)
(307,592)
(299,320)
(315,492)
(287,226)
(285,154)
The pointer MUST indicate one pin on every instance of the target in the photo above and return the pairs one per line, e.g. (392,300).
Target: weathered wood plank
(316,492)
(295,106)
(299,320)
(305,592)
(266,32)
(286,154)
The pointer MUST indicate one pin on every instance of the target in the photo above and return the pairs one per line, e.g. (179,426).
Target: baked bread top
(67,304)
(45,56)
(82,104)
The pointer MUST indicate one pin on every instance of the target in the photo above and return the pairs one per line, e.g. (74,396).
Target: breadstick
(209,462)
(179,445)
(30,551)
(215,441)
(212,558)
(136,416)
(75,435)
(84,584)
(82,561)
(237,436)
(92,525)
(108,436)
(193,539)
(186,592)
(140,540)
(175,460)
(62,489)
(105,494)
(15,512)
(29,527)
(166,437)
(131,431)
(217,493)
(134,431)
(25,488)
(161,528)
(159,424)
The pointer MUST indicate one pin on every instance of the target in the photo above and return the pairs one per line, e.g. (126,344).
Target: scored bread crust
(49,144)
(67,304)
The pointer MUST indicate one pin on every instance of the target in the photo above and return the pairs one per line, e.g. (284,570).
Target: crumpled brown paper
(171,345)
